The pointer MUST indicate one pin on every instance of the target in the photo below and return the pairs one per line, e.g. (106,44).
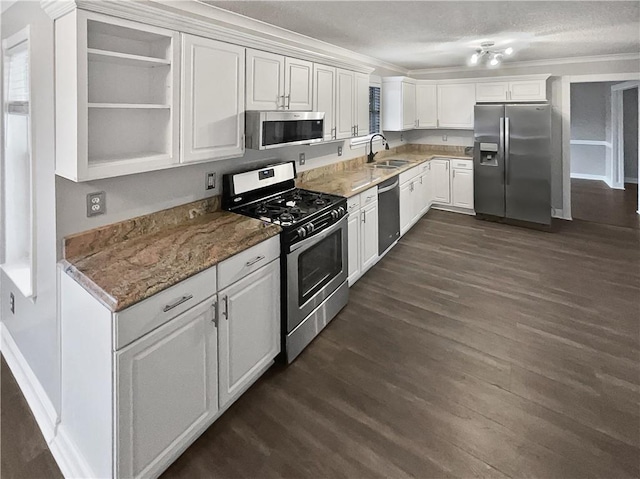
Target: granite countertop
(353,181)
(129,270)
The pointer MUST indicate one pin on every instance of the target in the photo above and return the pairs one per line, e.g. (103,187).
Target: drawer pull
(184,299)
(255,260)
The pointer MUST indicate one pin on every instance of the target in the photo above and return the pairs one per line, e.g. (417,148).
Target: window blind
(374,109)
(17,79)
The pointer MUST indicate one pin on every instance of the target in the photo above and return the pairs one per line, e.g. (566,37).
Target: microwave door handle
(320,236)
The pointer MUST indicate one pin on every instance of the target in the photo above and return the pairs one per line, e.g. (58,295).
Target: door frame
(617,130)
(566,126)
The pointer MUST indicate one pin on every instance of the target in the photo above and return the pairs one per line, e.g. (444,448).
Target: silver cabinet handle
(454,173)
(184,299)
(364,216)
(333,133)
(278,102)
(255,260)
(446,165)
(214,320)
(225,311)
(288,98)
(421,180)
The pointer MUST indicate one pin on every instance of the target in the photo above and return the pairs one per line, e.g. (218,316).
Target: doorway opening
(603,149)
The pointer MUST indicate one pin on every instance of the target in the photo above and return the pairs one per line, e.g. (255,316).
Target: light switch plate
(302,158)
(96,204)
(339,151)
(211,181)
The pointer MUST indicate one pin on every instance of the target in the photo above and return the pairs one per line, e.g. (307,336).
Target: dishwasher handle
(388,188)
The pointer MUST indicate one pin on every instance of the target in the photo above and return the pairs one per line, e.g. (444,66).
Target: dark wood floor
(471,349)
(593,200)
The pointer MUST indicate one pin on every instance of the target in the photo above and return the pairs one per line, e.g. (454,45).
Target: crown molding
(532,63)
(198,18)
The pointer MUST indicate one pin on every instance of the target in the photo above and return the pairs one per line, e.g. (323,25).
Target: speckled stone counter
(352,177)
(124,263)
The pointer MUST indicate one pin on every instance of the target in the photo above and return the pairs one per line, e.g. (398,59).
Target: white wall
(630,108)
(555,85)
(33,327)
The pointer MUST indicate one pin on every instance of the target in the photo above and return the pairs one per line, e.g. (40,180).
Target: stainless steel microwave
(272,129)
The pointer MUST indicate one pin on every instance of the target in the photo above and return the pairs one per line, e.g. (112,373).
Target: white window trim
(22,274)
(361,141)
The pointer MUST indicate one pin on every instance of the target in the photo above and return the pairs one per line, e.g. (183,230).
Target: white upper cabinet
(298,80)
(265,81)
(492,91)
(117,96)
(532,88)
(455,105)
(212,100)
(398,104)
(324,97)
(345,118)
(276,82)
(426,105)
(361,104)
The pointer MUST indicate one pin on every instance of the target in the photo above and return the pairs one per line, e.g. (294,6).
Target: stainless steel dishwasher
(388,213)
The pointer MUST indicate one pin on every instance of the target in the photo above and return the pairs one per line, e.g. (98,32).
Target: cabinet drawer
(369,196)
(353,204)
(245,262)
(137,320)
(409,174)
(462,164)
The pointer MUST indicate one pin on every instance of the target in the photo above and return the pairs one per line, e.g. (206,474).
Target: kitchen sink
(395,163)
(383,166)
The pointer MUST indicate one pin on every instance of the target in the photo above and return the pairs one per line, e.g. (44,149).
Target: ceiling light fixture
(487,54)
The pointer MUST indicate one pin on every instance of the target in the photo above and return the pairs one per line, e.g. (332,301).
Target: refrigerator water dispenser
(489,154)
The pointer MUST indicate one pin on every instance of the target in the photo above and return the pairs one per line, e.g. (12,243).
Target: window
(17,199)
(374,110)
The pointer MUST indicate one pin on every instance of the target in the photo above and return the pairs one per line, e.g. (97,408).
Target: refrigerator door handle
(501,139)
(506,150)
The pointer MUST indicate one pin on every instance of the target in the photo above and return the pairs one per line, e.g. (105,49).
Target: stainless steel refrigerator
(512,162)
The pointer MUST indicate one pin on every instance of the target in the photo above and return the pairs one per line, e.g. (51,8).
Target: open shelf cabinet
(117,91)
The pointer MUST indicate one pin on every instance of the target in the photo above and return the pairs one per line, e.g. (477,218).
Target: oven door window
(318,265)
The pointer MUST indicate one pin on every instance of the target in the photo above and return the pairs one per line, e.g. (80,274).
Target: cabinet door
(492,91)
(426,106)
(361,105)
(429,190)
(369,235)
(166,390)
(353,226)
(422,198)
(528,90)
(212,99)
(406,207)
(324,97)
(441,186)
(462,188)
(344,104)
(249,329)
(298,78)
(408,106)
(265,81)
(455,105)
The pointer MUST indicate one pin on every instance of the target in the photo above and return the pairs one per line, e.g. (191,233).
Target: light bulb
(508,51)
(494,61)
(474,58)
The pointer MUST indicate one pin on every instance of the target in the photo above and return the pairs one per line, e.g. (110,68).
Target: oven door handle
(320,236)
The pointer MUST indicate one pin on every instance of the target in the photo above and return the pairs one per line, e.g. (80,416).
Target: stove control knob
(309,227)
(341,211)
(334,214)
(301,232)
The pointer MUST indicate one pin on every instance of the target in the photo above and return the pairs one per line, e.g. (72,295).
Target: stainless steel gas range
(314,246)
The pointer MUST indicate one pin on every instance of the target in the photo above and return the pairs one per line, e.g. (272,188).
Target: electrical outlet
(12,303)
(339,151)
(96,204)
(302,158)
(401,137)
(211,181)
(444,137)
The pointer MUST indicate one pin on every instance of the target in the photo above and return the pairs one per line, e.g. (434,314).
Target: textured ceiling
(426,34)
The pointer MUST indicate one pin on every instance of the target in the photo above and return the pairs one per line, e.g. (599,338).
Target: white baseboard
(583,176)
(70,460)
(45,414)
(559,213)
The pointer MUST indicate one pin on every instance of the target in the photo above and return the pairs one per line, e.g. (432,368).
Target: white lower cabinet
(413,195)
(441,185)
(142,384)
(462,188)
(167,389)
(363,233)
(406,207)
(248,329)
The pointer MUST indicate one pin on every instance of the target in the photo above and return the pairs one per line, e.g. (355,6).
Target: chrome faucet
(371,154)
